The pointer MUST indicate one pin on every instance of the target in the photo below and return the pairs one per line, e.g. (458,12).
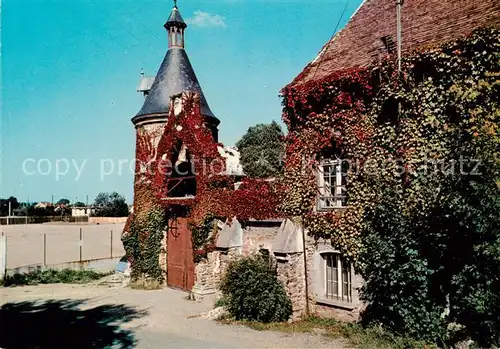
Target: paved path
(166,324)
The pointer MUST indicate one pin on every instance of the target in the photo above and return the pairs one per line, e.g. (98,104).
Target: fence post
(44,250)
(111,244)
(3,256)
(81,243)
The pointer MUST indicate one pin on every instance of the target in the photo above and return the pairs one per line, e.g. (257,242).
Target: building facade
(318,278)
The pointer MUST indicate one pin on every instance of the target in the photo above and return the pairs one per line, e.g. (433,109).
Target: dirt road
(83,316)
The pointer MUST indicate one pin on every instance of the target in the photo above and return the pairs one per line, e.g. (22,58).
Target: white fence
(3,256)
(57,243)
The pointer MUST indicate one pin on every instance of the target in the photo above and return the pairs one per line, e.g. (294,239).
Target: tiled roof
(364,39)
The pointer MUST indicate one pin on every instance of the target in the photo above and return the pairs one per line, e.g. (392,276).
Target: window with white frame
(331,184)
(337,278)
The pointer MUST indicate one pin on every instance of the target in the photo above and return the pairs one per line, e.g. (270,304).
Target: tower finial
(175,3)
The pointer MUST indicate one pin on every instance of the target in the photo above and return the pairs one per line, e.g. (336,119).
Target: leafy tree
(78,204)
(110,205)
(4,205)
(40,211)
(62,202)
(261,149)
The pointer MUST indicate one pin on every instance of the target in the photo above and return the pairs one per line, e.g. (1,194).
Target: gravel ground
(163,321)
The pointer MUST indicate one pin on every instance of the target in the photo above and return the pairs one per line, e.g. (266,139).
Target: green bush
(252,291)
(51,276)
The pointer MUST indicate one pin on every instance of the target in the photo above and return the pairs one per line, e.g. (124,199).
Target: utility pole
(399,3)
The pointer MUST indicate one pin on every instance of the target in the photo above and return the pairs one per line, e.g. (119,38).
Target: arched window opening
(182,180)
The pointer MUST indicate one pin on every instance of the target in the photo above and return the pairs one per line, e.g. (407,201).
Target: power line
(331,38)
(125,27)
(115,39)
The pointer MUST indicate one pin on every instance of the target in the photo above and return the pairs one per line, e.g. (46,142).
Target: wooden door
(180,264)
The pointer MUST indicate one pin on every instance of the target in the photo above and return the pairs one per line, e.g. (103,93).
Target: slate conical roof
(174,76)
(175,19)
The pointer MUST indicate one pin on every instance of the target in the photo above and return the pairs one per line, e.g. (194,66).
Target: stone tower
(174,76)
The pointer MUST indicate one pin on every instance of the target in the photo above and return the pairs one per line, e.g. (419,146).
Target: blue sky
(70,69)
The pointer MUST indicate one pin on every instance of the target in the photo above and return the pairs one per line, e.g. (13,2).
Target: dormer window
(331,184)
(389,44)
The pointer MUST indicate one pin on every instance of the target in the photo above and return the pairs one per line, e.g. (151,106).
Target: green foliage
(110,205)
(62,202)
(437,267)
(354,334)
(33,211)
(142,245)
(261,149)
(4,205)
(400,284)
(203,238)
(474,268)
(220,302)
(252,291)
(51,276)
(78,204)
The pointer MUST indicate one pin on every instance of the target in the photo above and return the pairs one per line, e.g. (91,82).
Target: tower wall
(147,138)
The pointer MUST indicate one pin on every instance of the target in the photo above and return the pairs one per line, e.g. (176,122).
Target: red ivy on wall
(215,193)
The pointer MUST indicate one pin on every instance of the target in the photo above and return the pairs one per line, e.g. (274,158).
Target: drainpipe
(399,3)
(305,265)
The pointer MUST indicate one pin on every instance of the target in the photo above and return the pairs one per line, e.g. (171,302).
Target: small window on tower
(182,180)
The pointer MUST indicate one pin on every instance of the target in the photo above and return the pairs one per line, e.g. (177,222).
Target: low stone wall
(107,220)
(209,272)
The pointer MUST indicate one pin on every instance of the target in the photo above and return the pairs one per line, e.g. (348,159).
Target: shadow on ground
(61,324)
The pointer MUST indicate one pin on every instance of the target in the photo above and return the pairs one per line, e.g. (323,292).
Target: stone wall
(163,256)
(107,220)
(259,235)
(254,237)
(285,244)
(290,271)
(208,273)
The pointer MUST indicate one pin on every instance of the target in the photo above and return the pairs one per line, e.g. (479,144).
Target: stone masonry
(283,240)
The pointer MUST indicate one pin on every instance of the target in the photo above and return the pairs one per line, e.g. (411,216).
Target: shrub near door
(252,291)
